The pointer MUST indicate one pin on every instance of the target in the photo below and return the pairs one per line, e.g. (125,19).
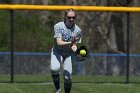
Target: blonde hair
(67,11)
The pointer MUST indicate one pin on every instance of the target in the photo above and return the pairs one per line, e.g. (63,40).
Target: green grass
(84,84)
(77,88)
(77,79)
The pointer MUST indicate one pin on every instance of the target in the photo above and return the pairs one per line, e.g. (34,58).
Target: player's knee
(55,77)
(67,77)
(54,72)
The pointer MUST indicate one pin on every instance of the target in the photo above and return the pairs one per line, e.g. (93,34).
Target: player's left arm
(77,38)
(79,47)
(75,41)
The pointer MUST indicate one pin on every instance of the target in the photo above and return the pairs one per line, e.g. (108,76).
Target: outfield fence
(111,34)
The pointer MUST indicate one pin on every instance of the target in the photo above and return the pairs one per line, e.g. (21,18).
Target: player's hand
(74,48)
(74,40)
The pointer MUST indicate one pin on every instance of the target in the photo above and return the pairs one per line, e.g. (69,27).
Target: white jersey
(61,31)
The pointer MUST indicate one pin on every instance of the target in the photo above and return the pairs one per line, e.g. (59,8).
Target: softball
(82,52)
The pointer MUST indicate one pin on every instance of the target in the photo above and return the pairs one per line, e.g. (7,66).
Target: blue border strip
(47,54)
(26,53)
(112,54)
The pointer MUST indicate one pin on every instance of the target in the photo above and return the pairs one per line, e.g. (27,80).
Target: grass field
(76,79)
(77,88)
(82,84)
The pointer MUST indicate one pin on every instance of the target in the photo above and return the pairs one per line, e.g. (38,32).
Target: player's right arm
(61,42)
(58,35)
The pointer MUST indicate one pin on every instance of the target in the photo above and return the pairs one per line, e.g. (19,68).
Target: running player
(66,35)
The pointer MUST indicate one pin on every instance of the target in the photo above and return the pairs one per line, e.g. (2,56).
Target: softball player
(65,35)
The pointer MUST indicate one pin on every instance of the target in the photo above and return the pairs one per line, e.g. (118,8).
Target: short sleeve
(57,31)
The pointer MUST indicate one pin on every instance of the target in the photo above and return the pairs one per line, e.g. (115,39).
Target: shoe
(58,91)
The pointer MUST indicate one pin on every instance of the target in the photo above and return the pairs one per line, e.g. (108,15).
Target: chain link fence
(106,39)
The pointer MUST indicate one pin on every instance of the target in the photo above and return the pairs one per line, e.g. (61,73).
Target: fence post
(128,45)
(12,44)
(127,57)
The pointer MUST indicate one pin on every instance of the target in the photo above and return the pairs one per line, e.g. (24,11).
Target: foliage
(29,33)
(4,30)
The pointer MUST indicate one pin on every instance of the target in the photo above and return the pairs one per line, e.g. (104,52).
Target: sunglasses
(71,17)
